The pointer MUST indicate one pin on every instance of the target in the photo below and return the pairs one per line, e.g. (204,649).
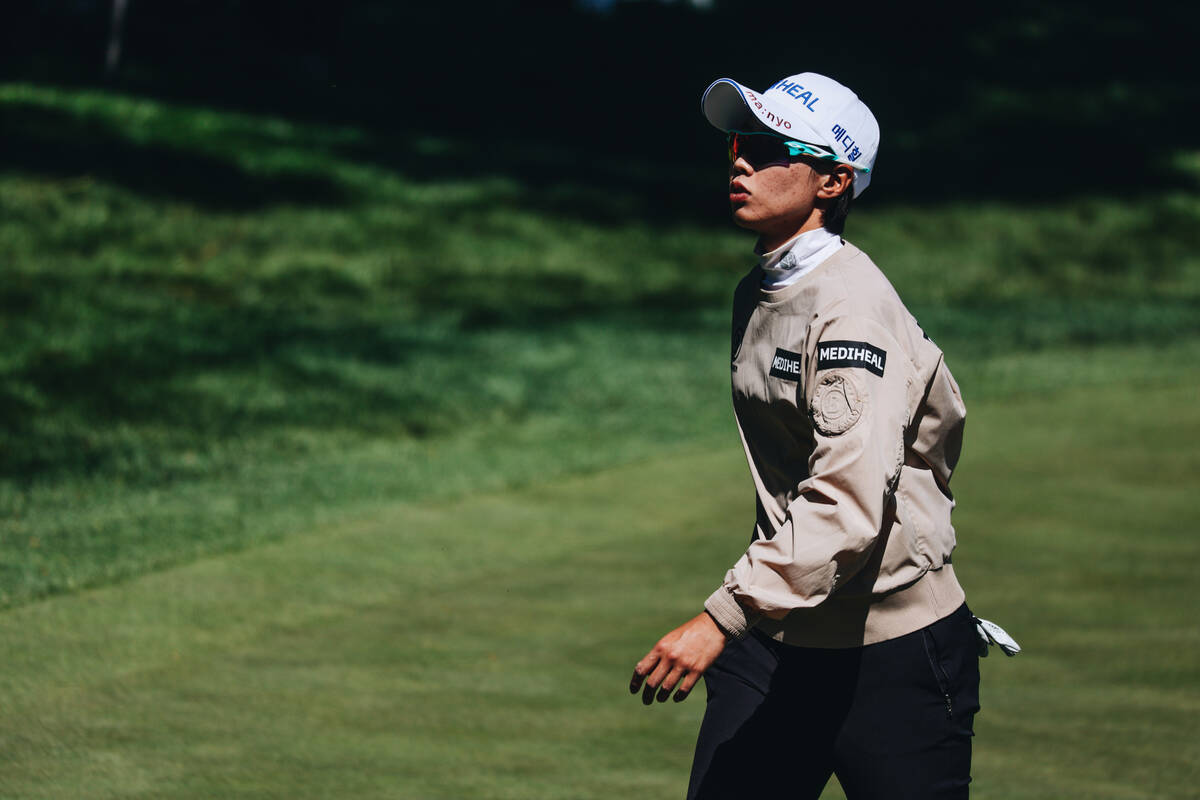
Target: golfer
(840,641)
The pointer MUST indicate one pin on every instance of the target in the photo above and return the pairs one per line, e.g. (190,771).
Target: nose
(741,166)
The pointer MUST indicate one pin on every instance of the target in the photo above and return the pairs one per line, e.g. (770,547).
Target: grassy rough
(219,327)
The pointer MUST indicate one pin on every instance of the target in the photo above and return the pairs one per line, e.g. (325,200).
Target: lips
(738,193)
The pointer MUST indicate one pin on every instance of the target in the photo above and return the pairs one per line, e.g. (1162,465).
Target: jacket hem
(856,621)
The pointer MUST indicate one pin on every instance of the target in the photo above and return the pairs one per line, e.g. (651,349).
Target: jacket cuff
(728,614)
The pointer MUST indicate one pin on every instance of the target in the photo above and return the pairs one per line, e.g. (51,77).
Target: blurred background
(363,405)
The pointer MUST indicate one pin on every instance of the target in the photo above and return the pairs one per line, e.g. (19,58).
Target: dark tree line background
(1023,99)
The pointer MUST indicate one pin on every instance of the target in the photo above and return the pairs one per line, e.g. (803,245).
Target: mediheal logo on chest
(786,365)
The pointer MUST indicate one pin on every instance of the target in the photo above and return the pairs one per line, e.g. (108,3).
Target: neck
(796,257)
(771,240)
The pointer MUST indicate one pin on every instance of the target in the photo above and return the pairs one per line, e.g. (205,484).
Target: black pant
(893,720)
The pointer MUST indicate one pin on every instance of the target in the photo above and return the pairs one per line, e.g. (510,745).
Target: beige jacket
(852,425)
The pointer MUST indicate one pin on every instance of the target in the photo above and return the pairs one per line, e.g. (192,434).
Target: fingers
(659,684)
(640,672)
(664,688)
(685,688)
(653,682)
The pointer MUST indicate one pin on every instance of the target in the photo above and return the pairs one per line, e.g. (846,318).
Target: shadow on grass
(170,375)
(979,153)
(157,366)
(47,141)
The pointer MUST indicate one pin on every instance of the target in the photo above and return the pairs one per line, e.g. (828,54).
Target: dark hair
(835,211)
(833,216)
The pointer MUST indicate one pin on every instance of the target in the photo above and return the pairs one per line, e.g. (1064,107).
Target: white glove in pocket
(990,633)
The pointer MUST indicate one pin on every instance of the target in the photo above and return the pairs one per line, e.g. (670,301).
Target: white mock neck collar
(796,257)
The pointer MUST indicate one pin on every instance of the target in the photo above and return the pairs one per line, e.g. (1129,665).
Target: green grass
(340,462)
(479,647)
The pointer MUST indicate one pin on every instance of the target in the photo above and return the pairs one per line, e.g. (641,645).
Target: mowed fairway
(479,648)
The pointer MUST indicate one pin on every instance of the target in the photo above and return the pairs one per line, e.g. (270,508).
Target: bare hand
(682,655)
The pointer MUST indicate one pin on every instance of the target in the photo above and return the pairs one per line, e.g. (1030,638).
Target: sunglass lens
(757,150)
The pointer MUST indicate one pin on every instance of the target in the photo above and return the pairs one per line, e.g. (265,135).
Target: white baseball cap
(807,107)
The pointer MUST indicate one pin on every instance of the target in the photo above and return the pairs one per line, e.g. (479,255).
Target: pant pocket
(951,646)
(939,670)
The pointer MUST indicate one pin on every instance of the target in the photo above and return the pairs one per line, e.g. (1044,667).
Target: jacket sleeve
(858,395)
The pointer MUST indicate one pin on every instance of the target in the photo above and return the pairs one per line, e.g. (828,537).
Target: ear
(836,182)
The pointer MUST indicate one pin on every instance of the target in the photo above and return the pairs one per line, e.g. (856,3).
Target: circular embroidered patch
(837,404)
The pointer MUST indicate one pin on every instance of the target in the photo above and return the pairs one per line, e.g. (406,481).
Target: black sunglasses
(763,149)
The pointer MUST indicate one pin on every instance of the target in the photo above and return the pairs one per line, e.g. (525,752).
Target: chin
(746,221)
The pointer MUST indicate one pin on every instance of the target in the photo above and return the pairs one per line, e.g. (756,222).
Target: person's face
(776,200)
(782,195)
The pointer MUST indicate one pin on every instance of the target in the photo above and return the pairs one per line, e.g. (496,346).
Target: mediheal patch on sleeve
(836,354)
(837,404)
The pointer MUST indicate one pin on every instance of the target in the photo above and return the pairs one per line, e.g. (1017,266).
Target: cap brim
(730,106)
(726,108)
